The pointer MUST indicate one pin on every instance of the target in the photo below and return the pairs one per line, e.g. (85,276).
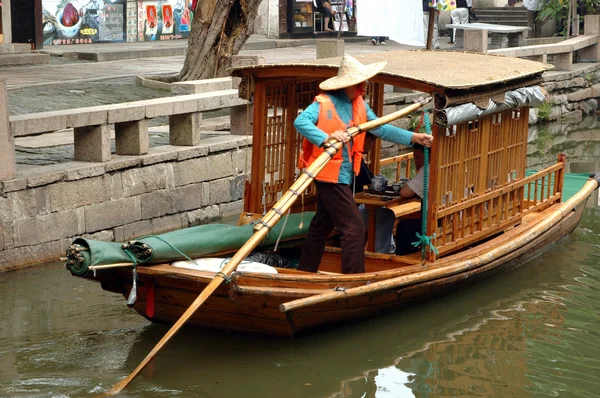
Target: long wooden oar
(261,230)
(463,266)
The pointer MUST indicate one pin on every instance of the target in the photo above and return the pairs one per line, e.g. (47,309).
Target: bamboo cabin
(484,214)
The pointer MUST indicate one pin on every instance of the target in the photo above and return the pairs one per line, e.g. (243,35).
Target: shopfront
(304,18)
(83,21)
(164,19)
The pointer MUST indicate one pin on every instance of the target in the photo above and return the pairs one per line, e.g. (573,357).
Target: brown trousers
(335,208)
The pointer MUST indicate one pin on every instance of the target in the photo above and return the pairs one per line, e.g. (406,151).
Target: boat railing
(482,216)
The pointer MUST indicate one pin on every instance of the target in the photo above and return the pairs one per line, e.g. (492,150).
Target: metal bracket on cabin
(339,289)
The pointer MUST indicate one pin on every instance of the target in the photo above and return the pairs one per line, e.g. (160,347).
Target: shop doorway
(26,21)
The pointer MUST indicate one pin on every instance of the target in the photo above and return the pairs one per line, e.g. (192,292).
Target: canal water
(528,333)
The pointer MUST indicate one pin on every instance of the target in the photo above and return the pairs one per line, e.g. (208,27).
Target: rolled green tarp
(176,245)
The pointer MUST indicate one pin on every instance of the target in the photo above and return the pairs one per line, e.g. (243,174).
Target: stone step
(24,59)
(14,48)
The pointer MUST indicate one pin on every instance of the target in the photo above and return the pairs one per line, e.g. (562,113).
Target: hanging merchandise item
(443,5)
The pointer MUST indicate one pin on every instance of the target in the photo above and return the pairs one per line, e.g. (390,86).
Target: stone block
(590,54)
(238,61)
(387,109)
(83,172)
(92,143)
(119,162)
(16,184)
(73,194)
(596,90)
(29,255)
(45,228)
(231,209)
(242,160)
(203,169)
(220,191)
(131,138)
(144,179)
(149,227)
(111,214)
(476,41)
(126,112)
(185,129)
(43,122)
(242,119)
(104,236)
(580,95)
(92,116)
(218,100)
(159,155)
(170,201)
(224,143)
(330,48)
(7,147)
(158,107)
(591,25)
(185,104)
(563,62)
(202,86)
(204,215)
(190,153)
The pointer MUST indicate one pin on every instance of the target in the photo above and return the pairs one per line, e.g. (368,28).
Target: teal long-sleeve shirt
(306,122)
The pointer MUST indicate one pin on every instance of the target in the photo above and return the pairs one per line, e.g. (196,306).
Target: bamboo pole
(261,230)
(109,266)
(449,270)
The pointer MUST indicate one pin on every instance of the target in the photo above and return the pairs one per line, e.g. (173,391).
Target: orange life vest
(330,122)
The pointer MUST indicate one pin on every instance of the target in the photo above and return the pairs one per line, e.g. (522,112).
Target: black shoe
(373,41)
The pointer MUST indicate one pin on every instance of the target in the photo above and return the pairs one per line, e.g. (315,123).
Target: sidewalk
(119,51)
(77,71)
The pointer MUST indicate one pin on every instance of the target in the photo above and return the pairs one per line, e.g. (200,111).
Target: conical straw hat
(350,73)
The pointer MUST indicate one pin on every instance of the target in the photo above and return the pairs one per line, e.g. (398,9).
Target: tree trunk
(219,30)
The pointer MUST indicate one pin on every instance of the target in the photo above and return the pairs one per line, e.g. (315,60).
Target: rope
(423,240)
(133,292)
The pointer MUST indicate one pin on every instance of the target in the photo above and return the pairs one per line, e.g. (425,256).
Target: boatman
(326,119)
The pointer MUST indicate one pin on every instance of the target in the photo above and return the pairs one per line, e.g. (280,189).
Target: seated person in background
(408,226)
(325,8)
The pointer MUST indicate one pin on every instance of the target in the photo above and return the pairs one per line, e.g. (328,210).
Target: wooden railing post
(7,147)
(559,180)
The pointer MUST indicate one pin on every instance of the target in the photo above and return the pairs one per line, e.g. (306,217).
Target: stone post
(476,40)
(7,147)
(242,119)
(330,48)
(92,143)
(591,27)
(131,138)
(184,129)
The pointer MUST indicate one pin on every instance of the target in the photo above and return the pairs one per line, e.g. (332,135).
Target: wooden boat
(484,214)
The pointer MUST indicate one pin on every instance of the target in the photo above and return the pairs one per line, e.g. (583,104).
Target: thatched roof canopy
(429,71)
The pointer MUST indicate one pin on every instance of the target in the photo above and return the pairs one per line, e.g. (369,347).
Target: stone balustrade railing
(562,53)
(91,125)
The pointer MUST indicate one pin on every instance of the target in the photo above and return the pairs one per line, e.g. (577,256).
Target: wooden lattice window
(479,166)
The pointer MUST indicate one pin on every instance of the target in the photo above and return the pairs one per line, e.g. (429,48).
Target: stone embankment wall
(42,210)
(571,95)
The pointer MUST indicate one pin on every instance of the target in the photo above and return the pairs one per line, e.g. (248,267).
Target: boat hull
(252,304)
